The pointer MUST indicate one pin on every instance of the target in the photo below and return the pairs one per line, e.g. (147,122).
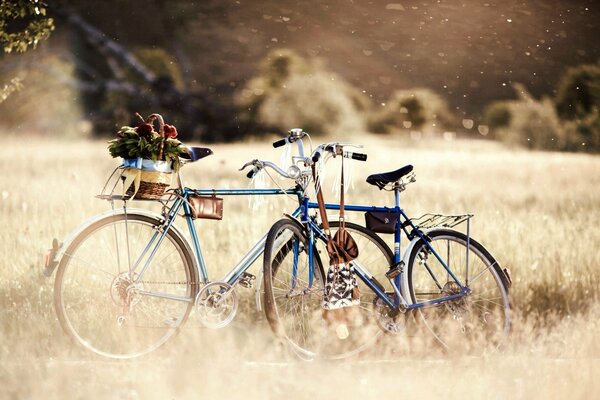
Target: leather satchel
(206,207)
(341,286)
(381,221)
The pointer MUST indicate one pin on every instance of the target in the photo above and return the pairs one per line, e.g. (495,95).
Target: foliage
(578,93)
(315,102)
(584,133)
(143,141)
(23,23)
(497,115)
(537,124)
(411,109)
(533,124)
(292,92)
(162,63)
(9,88)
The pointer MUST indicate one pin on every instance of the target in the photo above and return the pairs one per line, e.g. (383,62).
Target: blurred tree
(291,92)
(578,93)
(412,109)
(497,115)
(23,24)
(536,124)
(145,70)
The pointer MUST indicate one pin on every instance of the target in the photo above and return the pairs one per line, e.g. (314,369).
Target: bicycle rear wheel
(471,324)
(96,300)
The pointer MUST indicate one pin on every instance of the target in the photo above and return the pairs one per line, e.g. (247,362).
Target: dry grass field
(537,212)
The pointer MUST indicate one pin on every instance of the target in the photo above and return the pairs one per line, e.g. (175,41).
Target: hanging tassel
(285,160)
(348,179)
(322,171)
(258,181)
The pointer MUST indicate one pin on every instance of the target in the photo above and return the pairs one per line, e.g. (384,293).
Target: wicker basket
(152,185)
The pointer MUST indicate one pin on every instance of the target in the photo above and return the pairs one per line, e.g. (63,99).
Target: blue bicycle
(445,279)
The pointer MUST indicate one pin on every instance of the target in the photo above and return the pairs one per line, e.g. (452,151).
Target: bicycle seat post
(397,190)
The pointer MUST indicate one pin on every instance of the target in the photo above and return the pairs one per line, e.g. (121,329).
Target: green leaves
(129,144)
(28,13)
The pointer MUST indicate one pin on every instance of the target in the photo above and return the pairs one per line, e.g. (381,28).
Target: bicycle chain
(173,283)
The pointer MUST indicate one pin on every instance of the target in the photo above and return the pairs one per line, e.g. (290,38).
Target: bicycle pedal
(395,271)
(247,280)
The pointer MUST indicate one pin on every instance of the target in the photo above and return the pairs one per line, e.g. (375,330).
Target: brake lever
(253,163)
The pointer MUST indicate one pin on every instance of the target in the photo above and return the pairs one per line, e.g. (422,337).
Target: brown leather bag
(342,248)
(342,295)
(206,207)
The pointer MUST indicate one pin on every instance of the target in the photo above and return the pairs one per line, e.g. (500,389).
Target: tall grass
(537,212)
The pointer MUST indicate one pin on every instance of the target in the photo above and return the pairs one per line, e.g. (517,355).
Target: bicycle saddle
(195,153)
(382,179)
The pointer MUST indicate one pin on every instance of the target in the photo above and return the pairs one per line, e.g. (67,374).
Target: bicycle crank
(389,321)
(216,305)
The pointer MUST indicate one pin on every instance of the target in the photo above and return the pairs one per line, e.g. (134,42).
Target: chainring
(385,318)
(216,305)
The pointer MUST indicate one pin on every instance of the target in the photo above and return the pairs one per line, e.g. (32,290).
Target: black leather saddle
(384,178)
(195,153)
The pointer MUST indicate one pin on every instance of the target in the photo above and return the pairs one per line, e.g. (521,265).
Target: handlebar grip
(316,157)
(251,173)
(359,156)
(279,143)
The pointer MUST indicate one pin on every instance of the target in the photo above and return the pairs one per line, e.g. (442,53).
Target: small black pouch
(381,221)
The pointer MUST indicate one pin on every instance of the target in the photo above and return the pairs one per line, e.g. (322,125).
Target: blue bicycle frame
(182,201)
(313,231)
(400,226)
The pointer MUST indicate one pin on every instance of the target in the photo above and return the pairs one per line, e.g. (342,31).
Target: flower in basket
(146,143)
(149,156)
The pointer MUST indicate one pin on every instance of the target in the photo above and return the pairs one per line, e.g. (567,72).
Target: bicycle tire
(93,296)
(320,340)
(281,239)
(472,324)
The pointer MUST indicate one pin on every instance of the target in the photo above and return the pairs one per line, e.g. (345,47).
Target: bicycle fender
(257,290)
(60,252)
(295,220)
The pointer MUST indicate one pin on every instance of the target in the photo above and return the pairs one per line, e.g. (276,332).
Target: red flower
(170,131)
(144,130)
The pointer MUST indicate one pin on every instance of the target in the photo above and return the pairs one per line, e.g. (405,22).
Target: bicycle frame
(314,232)
(232,277)
(400,226)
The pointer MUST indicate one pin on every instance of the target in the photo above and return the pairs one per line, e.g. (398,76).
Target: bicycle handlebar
(251,173)
(338,149)
(260,164)
(279,143)
(359,156)
(296,135)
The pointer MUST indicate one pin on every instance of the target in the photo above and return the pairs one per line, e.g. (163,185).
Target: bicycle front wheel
(96,296)
(293,305)
(475,322)
(293,293)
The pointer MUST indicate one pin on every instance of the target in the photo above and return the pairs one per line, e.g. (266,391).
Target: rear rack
(427,221)
(110,192)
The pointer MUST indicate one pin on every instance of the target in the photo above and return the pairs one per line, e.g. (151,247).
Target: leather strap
(342,219)
(321,201)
